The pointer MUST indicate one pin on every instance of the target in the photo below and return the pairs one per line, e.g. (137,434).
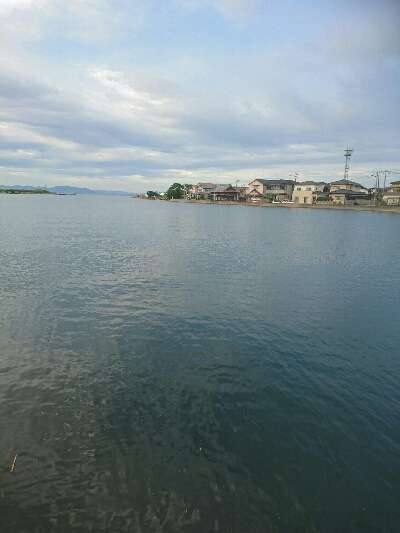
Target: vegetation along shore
(25,191)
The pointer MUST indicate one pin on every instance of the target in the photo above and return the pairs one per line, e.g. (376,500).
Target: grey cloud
(20,88)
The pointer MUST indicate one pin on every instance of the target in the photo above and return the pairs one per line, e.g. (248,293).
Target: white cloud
(75,101)
(7,6)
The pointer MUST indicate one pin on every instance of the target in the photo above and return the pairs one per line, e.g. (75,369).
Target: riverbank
(380,208)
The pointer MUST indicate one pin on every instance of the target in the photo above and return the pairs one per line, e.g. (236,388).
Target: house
(346,196)
(271,190)
(395,186)
(224,192)
(307,192)
(202,189)
(391,198)
(242,193)
(347,185)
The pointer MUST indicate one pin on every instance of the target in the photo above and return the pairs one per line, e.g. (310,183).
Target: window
(308,189)
(298,189)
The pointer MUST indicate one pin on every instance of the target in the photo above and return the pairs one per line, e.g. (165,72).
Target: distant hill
(65,189)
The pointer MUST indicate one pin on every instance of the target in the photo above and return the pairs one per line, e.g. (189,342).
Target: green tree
(152,194)
(176,191)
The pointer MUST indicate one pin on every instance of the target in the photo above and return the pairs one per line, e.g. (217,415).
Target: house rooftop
(348,191)
(311,183)
(276,182)
(223,188)
(346,182)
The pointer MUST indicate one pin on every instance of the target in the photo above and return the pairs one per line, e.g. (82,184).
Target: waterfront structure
(271,190)
(307,192)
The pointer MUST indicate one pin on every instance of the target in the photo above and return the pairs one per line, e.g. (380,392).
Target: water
(194,368)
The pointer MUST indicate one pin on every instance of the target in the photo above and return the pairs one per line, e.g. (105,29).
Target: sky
(135,95)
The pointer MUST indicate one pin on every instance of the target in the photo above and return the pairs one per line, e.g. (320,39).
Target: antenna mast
(347,154)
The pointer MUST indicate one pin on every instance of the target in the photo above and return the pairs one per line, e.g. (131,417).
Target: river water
(169,367)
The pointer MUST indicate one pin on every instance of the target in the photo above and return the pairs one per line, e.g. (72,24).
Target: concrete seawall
(380,208)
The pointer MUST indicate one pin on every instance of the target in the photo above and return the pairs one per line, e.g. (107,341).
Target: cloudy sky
(137,94)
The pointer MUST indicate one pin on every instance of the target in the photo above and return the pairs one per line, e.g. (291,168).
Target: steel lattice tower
(347,154)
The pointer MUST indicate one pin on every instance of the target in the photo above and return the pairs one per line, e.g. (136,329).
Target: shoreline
(379,208)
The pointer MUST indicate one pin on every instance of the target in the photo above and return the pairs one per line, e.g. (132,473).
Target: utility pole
(384,183)
(376,176)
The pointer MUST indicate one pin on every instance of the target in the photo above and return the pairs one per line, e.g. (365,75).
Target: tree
(176,191)
(152,194)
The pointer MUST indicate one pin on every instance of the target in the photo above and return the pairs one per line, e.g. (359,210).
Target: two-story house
(202,190)
(271,190)
(307,192)
(346,191)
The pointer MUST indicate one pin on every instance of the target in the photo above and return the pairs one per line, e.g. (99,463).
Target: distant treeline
(24,191)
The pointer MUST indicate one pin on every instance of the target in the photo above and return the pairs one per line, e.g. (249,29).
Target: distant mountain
(65,189)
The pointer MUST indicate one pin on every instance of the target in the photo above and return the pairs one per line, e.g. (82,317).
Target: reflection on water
(170,367)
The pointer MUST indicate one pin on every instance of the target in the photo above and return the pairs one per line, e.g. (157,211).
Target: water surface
(177,367)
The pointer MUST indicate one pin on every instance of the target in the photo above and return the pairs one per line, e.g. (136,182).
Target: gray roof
(311,183)
(347,182)
(276,182)
(203,184)
(347,191)
(222,188)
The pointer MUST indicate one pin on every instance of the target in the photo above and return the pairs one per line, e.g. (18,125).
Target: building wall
(303,194)
(392,200)
(257,186)
(338,198)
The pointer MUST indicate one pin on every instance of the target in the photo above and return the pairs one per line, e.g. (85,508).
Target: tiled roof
(311,183)
(347,182)
(275,182)
(222,188)
(347,191)
(202,184)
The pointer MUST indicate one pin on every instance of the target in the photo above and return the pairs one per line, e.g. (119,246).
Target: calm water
(194,368)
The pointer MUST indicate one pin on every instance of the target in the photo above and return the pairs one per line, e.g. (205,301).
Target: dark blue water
(173,367)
